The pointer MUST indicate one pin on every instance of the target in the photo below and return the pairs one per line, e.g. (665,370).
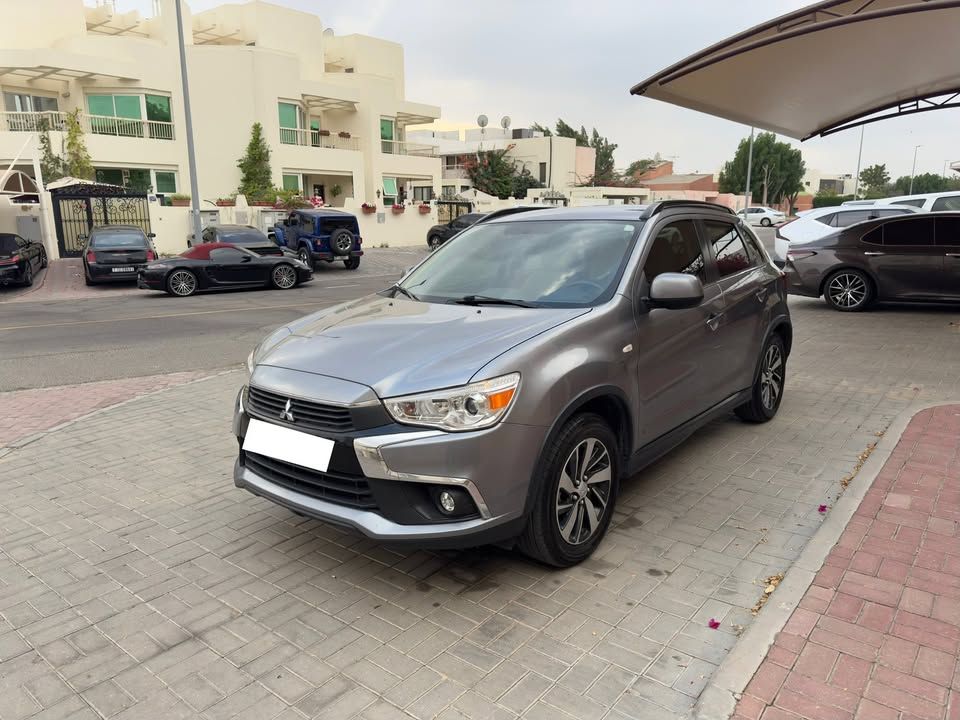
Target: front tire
(767,391)
(765,222)
(182,283)
(576,484)
(283,276)
(352,263)
(848,291)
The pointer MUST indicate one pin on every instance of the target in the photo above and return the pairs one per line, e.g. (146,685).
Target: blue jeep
(322,234)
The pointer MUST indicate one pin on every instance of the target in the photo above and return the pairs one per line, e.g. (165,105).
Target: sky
(537,60)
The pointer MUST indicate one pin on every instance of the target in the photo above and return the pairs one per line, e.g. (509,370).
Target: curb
(27,440)
(719,698)
(32,289)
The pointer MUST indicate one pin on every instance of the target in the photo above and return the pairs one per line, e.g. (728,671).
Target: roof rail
(661,205)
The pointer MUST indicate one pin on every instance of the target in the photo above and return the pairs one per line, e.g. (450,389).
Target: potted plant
(344,134)
(336,191)
(324,133)
(424,208)
(368,209)
(227,201)
(264,199)
(398,209)
(291,200)
(178,200)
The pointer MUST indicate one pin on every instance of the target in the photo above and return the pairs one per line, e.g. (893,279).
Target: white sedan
(820,222)
(757,215)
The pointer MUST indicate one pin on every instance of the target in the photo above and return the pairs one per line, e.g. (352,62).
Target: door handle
(761,294)
(870,252)
(954,255)
(713,322)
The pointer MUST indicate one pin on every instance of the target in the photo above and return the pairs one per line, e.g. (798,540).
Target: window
(543,172)
(946,203)
(166,181)
(846,219)
(291,182)
(315,132)
(912,231)
(918,202)
(948,231)
(728,247)
(754,247)
(874,237)
(889,213)
(387,135)
(24,103)
(423,194)
(116,115)
(226,256)
(827,219)
(118,239)
(389,191)
(306,224)
(676,248)
(291,121)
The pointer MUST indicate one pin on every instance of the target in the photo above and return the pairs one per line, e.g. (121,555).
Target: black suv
(439,234)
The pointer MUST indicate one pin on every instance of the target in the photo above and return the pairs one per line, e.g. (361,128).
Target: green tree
(604,172)
(51,164)
(564,130)
(638,167)
(256,178)
(874,180)
(522,181)
(925,183)
(76,160)
(491,171)
(778,170)
(537,127)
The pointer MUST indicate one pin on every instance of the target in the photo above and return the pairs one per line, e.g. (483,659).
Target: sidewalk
(876,636)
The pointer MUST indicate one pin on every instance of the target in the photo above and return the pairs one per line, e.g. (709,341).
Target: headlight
(265,346)
(470,407)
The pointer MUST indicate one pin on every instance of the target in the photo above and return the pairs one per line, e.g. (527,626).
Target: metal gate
(449,210)
(82,208)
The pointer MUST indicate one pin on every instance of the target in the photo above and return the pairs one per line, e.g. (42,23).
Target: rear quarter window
(946,203)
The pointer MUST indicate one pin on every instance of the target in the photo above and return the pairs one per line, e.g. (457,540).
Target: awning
(324,102)
(54,64)
(829,67)
(411,113)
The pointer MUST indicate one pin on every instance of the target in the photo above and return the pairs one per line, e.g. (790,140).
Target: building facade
(333,108)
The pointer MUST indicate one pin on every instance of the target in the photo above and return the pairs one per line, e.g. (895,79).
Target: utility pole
(746,192)
(188,118)
(856,180)
(913,171)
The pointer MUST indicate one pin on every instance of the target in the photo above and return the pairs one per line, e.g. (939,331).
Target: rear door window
(909,232)
(946,203)
(948,231)
(728,247)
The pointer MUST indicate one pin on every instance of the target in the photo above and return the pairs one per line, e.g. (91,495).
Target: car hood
(398,346)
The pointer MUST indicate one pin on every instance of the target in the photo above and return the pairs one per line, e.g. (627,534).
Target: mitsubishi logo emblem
(287,413)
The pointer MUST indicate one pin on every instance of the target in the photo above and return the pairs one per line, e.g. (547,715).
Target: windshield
(118,240)
(561,263)
(244,237)
(8,245)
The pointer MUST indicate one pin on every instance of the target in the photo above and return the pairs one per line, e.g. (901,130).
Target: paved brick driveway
(136,582)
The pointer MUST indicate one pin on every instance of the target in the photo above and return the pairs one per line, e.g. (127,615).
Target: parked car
(116,253)
(20,259)
(820,222)
(245,236)
(212,266)
(439,234)
(929,202)
(758,215)
(505,386)
(907,258)
(322,235)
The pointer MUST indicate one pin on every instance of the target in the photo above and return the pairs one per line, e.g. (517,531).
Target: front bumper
(493,466)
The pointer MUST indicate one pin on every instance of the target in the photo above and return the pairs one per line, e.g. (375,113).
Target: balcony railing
(318,139)
(402,147)
(94,124)
(454,172)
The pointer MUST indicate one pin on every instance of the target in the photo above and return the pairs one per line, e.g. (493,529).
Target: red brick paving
(876,635)
(25,412)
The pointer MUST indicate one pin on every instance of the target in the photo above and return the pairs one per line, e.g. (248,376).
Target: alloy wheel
(771,377)
(848,290)
(343,244)
(284,277)
(183,283)
(584,491)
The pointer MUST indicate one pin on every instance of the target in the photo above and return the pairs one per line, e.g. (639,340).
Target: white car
(820,222)
(929,202)
(757,215)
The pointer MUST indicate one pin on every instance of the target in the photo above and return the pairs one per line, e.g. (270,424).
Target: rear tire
(849,291)
(28,275)
(767,391)
(181,283)
(576,485)
(433,242)
(352,263)
(43,259)
(766,222)
(87,281)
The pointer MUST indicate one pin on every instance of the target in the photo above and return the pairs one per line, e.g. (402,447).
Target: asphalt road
(64,342)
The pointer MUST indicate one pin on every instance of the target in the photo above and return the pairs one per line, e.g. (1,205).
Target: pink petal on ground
(822,508)
(713,624)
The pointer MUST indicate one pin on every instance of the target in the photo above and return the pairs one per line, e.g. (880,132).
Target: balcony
(316,138)
(402,147)
(93,124)
(454,172)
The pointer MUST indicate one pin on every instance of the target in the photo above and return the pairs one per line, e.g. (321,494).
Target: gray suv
(506,385)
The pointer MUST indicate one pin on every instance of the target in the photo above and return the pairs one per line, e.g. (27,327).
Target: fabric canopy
(825,68)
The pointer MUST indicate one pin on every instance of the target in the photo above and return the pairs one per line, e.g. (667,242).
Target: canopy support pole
(746,192)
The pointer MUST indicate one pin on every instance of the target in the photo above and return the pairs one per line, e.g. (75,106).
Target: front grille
(336,487)
(307,415)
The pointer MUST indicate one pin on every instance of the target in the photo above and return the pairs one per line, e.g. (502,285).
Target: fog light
(447,503)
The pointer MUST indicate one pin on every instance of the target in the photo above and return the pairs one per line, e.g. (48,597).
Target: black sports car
(20,259)
(220,265)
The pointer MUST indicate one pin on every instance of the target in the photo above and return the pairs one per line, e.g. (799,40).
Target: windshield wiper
(487,300)
(398,289)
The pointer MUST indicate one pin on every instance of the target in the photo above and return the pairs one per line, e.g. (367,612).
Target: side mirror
(675,291)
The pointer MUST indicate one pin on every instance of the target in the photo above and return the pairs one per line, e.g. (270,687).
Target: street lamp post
(913,171)
(188,119)
(856,180)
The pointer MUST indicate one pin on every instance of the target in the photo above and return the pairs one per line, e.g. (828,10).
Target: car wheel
(341,241)
(577,483)
(87,281)
(352,263)
(848,291)
(765,222)
(767,391)
(433,242)
(283,276)
(304,254)
(28,275)
(182,283)
(43,259)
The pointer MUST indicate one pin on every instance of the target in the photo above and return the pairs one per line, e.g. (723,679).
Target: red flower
(713,624)
(822,508)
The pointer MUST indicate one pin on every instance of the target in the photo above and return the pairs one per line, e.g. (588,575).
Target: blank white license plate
(125,268)
(292,446)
